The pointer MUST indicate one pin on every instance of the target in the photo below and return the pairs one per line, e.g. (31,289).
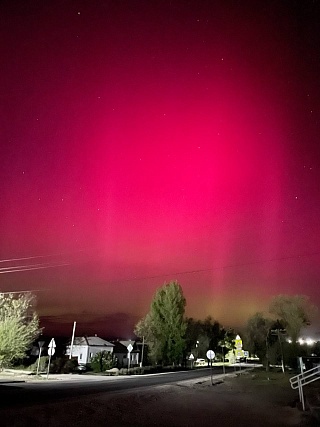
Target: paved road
(29,393)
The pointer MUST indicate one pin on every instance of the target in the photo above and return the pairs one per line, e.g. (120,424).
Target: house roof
(127,342)
(119,348)
(122,346)
(92,341)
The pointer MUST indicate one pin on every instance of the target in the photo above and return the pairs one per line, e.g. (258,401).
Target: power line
(204,270)
(24,258)
(22,292)
(30,267)
(40,266)
(44,256)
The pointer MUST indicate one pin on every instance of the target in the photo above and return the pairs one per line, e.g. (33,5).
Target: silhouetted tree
(294,312)
(202,335)
(228,340)
(257,336)
(214,331)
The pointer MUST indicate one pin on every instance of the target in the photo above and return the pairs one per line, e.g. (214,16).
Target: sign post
(129,348)
(51,351)
(191,358)
(40,344)
(211,355)
(224,367)
(239,351)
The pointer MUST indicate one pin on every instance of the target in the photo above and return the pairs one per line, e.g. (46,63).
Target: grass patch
(259,376)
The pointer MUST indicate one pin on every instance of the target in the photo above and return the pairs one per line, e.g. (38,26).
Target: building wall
(79,351)
(84,353)
(123,359)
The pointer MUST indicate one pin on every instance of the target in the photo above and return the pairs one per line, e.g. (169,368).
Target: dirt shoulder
(237,400)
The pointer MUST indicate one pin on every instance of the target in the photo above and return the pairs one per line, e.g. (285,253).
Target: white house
(84,348)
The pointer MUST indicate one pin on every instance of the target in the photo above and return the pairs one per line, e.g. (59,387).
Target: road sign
(238,342)
(129,348)
(211,354)
(52,343)
(191,357)
(51,351)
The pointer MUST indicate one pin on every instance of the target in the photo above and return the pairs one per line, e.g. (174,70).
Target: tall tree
(214,331)
(164,326)
(19,326)
(294,312)
(257,336)
(197,341)
(202,335)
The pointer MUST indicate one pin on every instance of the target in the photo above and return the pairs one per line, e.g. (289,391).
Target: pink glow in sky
(145,141)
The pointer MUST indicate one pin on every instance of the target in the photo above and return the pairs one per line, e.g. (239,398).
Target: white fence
(307,377)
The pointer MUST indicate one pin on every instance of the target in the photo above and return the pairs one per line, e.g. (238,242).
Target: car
(200,362)
(81,368)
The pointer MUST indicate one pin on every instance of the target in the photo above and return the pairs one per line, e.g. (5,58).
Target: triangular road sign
(52,343)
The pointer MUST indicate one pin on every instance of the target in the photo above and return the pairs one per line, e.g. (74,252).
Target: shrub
(63,365)
(102,361)
(69,366)
(42,365)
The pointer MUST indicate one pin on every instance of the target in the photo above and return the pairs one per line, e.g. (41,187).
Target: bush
(42,365)
(103,361)
(63,365)
(69,366)
(137,370)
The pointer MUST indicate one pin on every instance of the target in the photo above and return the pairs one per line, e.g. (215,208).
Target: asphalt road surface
(20,393)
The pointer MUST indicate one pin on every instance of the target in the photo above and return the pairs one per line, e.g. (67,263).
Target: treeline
(171,336)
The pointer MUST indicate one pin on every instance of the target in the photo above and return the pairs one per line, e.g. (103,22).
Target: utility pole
(141,362)
(40,344)
(72,339)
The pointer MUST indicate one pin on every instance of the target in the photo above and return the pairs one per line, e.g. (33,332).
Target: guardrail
(305,378)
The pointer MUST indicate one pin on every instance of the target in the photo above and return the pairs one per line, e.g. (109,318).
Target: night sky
(147,141)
